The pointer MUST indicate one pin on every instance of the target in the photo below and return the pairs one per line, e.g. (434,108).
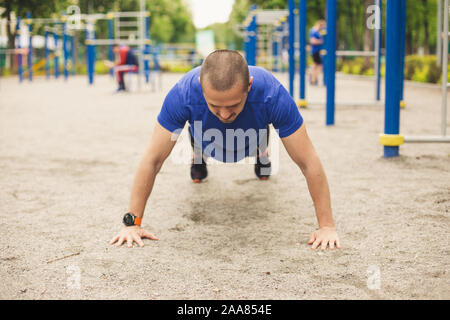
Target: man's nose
(225,114)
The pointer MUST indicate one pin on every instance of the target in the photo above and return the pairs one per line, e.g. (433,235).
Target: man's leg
(119,77)
(120,71)
(198,166)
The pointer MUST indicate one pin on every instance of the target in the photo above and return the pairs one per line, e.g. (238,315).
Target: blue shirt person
(224,101)
(316,40)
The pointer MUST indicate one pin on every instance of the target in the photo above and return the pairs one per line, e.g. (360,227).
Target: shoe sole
(264,178)
(196,180)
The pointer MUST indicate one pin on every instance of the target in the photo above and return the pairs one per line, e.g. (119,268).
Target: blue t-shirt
(314,33)
(267,102)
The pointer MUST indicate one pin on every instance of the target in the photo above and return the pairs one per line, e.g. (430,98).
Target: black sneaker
(263,167)
(198,171)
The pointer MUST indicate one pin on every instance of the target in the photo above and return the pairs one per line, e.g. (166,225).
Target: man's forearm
(142,186)
(320,193)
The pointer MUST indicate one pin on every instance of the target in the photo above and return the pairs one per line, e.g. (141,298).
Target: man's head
(320,24)
(225,82)
(116,48)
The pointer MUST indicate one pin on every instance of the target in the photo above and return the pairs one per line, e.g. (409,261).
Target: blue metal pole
(147,49)
(393,70)
(402,49)
(46,55)
(291,21)
(285,44)
(73,54)
(247,43)
(331,59)
(275,50)
(56,56)
(378,50)
(111,37)
(302,44)
(90,55)
(30,48)
(19,55)
(65,50)
(253,38)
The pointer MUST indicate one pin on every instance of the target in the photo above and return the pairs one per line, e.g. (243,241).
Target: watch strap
(137,221)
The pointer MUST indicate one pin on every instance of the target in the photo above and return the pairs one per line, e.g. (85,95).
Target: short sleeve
(315,34)
(284,114)
(174,113)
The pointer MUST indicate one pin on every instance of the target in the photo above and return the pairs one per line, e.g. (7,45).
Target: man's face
(226,105)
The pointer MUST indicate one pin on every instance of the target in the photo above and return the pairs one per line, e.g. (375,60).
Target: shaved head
(224,69)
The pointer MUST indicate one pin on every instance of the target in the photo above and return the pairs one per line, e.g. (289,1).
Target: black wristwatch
(130,219)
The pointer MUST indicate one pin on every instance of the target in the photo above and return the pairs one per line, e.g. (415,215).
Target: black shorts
(317,58)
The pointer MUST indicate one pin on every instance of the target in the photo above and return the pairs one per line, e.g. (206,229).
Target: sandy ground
(68,154)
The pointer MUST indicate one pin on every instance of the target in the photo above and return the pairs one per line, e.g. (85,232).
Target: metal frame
(444,58)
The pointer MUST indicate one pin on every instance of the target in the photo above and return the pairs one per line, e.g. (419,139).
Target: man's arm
(314,41)
(301,151)
(157,151)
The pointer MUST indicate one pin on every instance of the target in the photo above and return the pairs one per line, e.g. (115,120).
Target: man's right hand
(132,234)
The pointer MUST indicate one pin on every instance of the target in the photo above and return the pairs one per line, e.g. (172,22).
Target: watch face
(128,219)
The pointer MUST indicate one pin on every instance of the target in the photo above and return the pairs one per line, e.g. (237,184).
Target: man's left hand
(325,236)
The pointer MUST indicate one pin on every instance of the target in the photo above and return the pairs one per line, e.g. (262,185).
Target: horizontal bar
(128,23)
(126,32)
(103,42)
(131,14)
(357,53)
(427,139)
(350,103)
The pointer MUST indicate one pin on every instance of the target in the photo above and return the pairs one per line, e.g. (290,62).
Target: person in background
(316,42)
(126,61)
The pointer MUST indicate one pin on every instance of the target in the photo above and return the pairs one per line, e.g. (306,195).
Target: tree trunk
(426,38)
(11,36)
(367,44)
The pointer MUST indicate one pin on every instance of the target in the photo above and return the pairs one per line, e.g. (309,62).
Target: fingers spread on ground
(338,244)
(138,241)
(312,238)
(129,242)
(149,235)
(114,239)
(121,240)
(324,244)
(316,244)
(331,245)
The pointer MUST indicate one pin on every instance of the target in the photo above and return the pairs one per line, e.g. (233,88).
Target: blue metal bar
(73,54)
(393,69)
(56,56)
(46,55)
(291,21)
(19,56)
(30,48)
(65,51)
(90,35)
(110,47)
(302,43)
(253,38)
(275,53)
(330,65)
(147,50)
(402,47)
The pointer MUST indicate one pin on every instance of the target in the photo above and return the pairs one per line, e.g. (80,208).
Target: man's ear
(198,79)
(250,84)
